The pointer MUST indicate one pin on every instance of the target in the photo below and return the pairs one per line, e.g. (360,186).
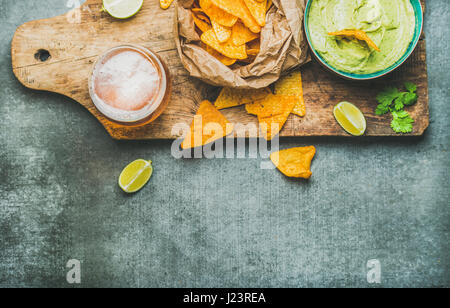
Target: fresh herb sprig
(393,101)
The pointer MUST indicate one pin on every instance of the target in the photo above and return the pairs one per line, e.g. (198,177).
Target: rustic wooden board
(76,39)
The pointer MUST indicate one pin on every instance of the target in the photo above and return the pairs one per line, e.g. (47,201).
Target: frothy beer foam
(127,80)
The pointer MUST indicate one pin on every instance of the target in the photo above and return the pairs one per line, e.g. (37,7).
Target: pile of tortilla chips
(272,109)
(230,29)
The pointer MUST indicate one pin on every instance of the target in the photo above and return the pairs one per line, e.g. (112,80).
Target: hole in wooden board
(42,55)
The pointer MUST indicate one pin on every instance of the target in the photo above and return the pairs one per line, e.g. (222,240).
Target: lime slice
(135,175)
(350,118)
(122,9)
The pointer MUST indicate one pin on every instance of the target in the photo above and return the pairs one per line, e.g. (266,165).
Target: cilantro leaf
(394,101)
(399,102)
(410,87)
(385,100)
(400,114)
(382,109)
(402,122)
(388,95)
(409,98)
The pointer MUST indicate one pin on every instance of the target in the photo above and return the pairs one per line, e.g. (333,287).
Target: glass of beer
(130,84)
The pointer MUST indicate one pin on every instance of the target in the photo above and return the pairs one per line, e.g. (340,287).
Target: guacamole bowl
(338,54)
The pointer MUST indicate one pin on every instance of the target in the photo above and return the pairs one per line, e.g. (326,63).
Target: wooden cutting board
(75,40)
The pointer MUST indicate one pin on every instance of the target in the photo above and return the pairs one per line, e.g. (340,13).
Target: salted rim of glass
(127,116)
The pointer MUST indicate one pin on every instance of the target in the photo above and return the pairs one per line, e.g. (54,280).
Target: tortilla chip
(273,112)
(266,107)
(201,15)
(295,162)
(252,52)
(217,14)
(258,10)
(224,59)
(165,4)
(208,126)
(292,85)
(240,34)
(256,44)
(269,4)
(201,24)
(239,9)
(227,48)
(249,60)
(229,97)
(223,33)
(359,35)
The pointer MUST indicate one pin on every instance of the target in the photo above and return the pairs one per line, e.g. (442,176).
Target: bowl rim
(375,75)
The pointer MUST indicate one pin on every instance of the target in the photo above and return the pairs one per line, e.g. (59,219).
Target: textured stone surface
(223,222)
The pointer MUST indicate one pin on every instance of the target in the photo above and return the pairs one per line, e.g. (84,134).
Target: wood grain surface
(75,40)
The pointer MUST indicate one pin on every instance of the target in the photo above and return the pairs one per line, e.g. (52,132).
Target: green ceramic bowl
(418,31)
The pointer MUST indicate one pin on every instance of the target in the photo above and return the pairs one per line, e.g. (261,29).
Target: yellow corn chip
(201,15)
(295,162)
(252,52)
(227,49)
(201,24)
(239,9)
(292,85)
(273,112)
(258,10)
(165,4)
(217,14)
(208,125)
(359,35)
(269,4)
(223,33)
(256,44)
(240,34)
(267,106)
(229,97)
(224,59)
(249,60)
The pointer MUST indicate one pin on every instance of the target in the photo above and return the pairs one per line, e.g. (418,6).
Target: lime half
(122,9)
(350,118)
(135,175)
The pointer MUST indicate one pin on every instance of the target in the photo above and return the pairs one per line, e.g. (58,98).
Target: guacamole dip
(389,23)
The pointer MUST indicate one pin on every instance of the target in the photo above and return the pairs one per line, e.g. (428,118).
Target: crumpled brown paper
(283,47)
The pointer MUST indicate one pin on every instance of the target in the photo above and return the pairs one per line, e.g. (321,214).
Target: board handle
(40,48)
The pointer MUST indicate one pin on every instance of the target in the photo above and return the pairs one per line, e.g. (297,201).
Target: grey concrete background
(223,222)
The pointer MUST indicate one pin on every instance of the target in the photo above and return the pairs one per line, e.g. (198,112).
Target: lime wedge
(122,9)
(135,175)
(350,118)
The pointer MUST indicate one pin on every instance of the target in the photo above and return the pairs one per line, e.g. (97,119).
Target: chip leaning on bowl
(387,25)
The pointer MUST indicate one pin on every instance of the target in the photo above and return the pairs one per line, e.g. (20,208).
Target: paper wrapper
(283,47)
